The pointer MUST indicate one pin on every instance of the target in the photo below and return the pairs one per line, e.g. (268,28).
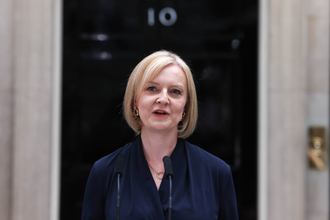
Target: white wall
(6,94)
(293,95)
(29,95)
(318,23)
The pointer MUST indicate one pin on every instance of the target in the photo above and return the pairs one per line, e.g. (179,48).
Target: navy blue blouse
(202,187)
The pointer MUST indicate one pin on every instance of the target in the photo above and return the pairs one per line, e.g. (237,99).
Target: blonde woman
(160,105)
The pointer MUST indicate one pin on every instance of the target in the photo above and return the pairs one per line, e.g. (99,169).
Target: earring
(136,112)
(183,114)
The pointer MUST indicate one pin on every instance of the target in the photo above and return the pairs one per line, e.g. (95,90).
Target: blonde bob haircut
(147,70)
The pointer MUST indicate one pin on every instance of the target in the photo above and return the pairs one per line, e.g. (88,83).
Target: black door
(105,39)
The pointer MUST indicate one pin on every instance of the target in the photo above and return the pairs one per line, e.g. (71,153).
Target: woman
(160,104)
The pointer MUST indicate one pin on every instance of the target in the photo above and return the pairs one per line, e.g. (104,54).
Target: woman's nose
(163,98)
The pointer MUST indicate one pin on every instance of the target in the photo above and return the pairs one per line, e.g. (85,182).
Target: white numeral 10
(166,21)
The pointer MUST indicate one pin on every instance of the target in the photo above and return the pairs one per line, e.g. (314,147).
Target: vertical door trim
(263,69)
(56,111)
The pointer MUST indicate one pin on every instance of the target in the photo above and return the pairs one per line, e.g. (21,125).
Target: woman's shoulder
(108,162)
(206,159)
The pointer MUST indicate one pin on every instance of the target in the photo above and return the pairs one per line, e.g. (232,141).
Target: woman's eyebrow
(152,82)
(173,85)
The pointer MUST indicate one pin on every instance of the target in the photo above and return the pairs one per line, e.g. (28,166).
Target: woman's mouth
(160,113)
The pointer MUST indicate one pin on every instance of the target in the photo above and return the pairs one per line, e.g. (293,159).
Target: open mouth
(159,112)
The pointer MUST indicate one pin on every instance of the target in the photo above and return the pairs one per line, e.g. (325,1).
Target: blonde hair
(147,70)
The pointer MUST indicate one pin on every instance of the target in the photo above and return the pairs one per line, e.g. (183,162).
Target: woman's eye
(151,88)
(176,91)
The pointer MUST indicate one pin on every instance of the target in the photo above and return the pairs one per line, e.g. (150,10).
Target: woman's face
(162,100)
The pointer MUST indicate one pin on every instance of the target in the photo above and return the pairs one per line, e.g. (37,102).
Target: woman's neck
(157,145)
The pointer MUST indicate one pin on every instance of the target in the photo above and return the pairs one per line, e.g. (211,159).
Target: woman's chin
(161,127)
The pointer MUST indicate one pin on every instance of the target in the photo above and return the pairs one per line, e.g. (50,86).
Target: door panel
(104,40)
